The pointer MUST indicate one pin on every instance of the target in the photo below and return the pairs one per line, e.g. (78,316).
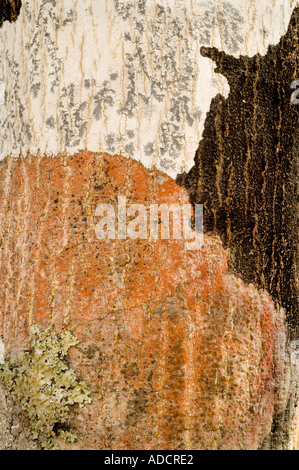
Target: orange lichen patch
(178,353)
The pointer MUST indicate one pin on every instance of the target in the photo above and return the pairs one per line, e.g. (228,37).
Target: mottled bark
(180,349)
(246,175)
(246,169)
(177,352)
(14,427)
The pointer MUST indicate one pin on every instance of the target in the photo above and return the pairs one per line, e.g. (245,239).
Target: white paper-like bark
(123,76)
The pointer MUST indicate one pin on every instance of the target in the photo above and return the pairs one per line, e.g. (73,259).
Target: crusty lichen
(45,386)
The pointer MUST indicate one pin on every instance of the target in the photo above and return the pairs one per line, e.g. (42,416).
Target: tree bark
(181,349)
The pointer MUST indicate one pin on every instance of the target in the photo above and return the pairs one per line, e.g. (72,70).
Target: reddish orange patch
(178,353)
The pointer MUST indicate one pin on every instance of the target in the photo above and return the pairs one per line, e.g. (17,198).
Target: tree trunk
(179,348)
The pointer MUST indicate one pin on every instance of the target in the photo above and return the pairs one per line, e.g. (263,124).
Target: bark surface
(178,353)
(246,169)
(181,349)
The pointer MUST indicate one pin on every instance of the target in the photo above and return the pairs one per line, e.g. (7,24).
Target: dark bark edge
(9,10)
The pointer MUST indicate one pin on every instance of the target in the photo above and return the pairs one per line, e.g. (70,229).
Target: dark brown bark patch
(246,168)
(9,10)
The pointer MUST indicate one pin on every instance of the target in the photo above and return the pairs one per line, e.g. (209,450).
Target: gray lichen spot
(74,125)
(149,149)
(123,8)
(172,140)
(129,149)
(131,102)
(28,132)
(110,141)
(70,16)
(167,164)
(35,89)
(102,99)
(141,7)
(27,10)
(113,76)
(130,134)
(50,122)
(46,387)
(197,113)
(227,18)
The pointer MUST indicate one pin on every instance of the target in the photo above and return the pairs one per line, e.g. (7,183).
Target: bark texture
(122,76)
(246,169)
(246,175)
(178,353)
(14,427)
(181,349)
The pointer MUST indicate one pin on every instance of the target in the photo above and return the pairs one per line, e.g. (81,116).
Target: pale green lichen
(46,387)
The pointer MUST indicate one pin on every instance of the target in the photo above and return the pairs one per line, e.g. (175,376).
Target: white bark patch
(123,76)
